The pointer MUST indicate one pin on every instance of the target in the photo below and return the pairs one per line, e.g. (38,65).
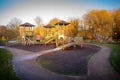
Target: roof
(27,25)
(62,23)
(49,26)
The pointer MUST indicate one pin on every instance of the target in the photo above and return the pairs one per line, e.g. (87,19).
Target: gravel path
(26,68)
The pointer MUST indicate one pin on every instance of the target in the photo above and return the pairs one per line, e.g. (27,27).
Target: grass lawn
(6,70)
(115,56)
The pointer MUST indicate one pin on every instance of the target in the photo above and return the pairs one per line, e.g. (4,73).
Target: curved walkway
(26,68)
(99,67)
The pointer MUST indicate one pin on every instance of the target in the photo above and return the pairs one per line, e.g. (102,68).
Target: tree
(14,23)
(39,30)
(101,21)
(54,21)
(13,26)
(3,30)
(73,27)
(38,21)
(6,32)
(116,16)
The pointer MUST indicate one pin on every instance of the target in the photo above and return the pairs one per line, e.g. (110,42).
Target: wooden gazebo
(61,25)
(61,28)
(26,32)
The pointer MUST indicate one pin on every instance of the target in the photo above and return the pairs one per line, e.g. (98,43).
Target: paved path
(2,47)
(26,68)
(99,67)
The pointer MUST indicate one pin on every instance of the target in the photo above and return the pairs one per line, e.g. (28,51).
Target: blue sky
(27,10)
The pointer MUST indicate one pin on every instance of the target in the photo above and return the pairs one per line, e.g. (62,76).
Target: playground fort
(52,34)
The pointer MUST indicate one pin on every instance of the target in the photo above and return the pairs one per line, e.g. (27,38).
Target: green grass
(6,70)
(114,56)
(89,56)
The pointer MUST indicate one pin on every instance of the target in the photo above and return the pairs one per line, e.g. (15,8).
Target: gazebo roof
(49,26)
(62,23)
(27,25)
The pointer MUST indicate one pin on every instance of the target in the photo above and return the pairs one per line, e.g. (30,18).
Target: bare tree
(13,26)
(38,21)
(14,23)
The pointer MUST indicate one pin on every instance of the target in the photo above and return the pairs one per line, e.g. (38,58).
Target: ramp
(49,40)
(66,45)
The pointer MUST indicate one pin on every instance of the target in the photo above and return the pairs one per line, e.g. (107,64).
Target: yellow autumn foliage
(39,31)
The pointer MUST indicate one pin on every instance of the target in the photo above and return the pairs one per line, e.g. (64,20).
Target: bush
(2,42)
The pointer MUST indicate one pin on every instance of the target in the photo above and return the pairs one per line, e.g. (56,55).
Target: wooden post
(56,41)
(63,44)
(74,42)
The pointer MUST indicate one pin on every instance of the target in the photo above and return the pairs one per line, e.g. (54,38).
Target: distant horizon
(28,10)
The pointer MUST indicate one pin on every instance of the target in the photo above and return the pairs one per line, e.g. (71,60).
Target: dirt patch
(71,61)
(33,48)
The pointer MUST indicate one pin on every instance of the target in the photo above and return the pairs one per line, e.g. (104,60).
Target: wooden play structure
(61,35)
(50,33)
(53,34)
(56,33)
(78,41)
(26,33)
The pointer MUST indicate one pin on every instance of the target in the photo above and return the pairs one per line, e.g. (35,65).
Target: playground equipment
(78,41)
(52,34)
(61,32)
(26,33)
(73,42)
(49,40)
(56,33)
